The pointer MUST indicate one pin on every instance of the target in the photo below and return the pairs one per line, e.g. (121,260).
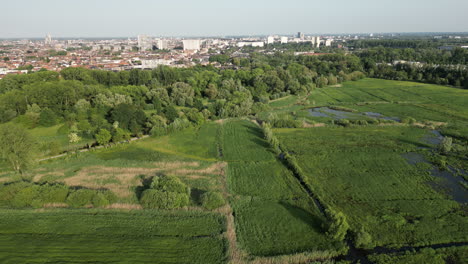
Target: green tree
(446,145)
(166,192)
(47,118)
(171,113)
(103,137)
(17,147)
(339,225)
(212,200)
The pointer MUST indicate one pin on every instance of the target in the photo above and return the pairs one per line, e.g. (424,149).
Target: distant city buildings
(300,35)
(270,40)
(251,44)
(48,39)
(139,53)
(144,43)
(191,44)
(162,44)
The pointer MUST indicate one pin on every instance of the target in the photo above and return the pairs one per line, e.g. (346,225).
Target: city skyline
(219,18)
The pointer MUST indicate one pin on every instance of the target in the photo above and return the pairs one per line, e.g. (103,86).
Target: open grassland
(361,172)
(423,102)
(90,236)
(195,143)
(124,168)
(273,214)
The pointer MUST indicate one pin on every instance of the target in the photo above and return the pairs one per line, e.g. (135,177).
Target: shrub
(363,239)
(408,120)
(166,192)
(9,191)
(52,194)
(157,199)
(212,200)
(338,227)
(27,194)
(103,137)
(343,122)
(80,198)
(99,200)
(26,197)
(446,145)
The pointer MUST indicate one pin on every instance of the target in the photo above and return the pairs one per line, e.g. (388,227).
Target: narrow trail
(235,254)
(86,149)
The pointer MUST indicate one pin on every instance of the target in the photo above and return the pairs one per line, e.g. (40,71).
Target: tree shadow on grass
(315,222)
(196,194)
(145,184)
(415,143)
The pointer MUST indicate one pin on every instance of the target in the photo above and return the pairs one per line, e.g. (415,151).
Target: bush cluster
(212,200)
(27,194)
(165,192)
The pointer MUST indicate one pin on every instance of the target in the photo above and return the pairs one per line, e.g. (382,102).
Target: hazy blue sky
(109,18)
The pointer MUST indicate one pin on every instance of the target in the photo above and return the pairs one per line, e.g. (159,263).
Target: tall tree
(17,147)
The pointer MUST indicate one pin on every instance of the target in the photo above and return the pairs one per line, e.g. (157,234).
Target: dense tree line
(111,106)
(414,60)
(457,56)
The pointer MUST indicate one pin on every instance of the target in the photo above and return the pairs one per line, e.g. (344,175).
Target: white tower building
(48,39)
(144,43)
(191,44)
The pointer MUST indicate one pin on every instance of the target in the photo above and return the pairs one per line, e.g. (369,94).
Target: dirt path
(84,149)
(235,254)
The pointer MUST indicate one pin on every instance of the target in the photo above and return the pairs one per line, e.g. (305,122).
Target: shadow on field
(257,132)
(315,222)
(145,184)
(415,143)
(195,195)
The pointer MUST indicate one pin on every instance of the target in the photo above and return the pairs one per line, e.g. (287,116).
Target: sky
(128,18)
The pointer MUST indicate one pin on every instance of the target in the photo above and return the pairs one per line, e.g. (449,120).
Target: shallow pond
(337,114)
(380,116)
(448,181)
(328,112)
(434,137)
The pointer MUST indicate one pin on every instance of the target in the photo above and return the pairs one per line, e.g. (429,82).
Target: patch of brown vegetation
(55,205)
(220,121)
(5,179)
(305,257)
(215,169)
(176,165)
(307,125)
(38,177)
(124,206)
(121,181)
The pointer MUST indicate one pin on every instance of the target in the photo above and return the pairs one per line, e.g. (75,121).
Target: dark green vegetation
(165,192)
(274,215)
(26,194)
(437,256)
(358,169)
(301,191)
(84,236)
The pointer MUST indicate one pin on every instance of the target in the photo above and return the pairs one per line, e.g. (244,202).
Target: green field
(84,236)
(358,170)
(361,172)
(273,214)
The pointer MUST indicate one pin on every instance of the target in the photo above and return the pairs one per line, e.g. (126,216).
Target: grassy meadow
(97,236)
(359,170)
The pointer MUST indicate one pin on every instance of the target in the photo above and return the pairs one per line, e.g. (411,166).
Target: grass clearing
(360,171)
(84,236)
